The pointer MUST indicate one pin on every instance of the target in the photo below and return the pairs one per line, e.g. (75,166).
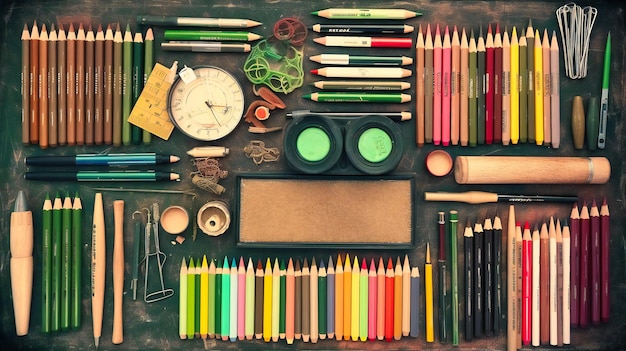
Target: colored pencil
(545,79)
(481,90)
(605,232)
(538,89)
(555,88)
(77,225)
(565,302)
(339,278)
(363,301)
(473,92)
(249,301)
(182,302)
(553,282)
(594,237)
(468,244)
(454,276)
(489,86)
(25,85)
(519,276)
(397,301)
(446,67)
(443,272)
(347,298)
(33,104)
(196,324)
(437,87)
(365,42)
(505,89)
(428,86)
(523,88)
(488,280)
(71,85)
(559,284)
(57,242)
(497,295)
(146,137)
(366,13)
(89,86)
(98,116)
(137,82)
(584,299)
(241,301)
(419,88)
(544,285)
(226,301)
(306,301)
(406,297)
(298,301)
(127,90)
(514,80)
(355,300)
(211,300)
(389,301)
(511,342)
(527,257)
(107,103)
(191,299)
(275,333)
(372,298)
(479,276)
(464,91)
(361,85)
(330,296)
(531,65)
(322,286)
(455,88)
(259,289)
(497,86)
(53,86)
(360,60)
(283,298)
(290,300)
(535,289)
(43,88)
(380,300)
(218,301)
(204,299)
(314,301)
(428,293)
(118,81)
(574,224)
(415,302)
(267,301)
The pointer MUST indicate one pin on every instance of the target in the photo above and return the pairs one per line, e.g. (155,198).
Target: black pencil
(497,275)
(468,237)
(488,253)
(443,286)
(478,279)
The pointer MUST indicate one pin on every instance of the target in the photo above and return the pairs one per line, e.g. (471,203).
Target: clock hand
(213,112)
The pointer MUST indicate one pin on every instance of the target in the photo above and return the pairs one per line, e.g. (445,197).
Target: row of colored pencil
(299,301)
(502,89)
(78,87)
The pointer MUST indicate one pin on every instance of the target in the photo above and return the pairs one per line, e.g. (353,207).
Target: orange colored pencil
(347,298)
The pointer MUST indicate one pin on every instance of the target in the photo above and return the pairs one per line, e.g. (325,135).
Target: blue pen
(145,158)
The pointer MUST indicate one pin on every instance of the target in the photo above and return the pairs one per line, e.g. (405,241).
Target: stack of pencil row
(299,301)
(61,264)
(78,87)
(472,91)
(375,79)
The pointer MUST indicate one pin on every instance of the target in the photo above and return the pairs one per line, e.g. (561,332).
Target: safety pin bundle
(575,24)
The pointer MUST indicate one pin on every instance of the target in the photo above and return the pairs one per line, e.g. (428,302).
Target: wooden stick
(118,272)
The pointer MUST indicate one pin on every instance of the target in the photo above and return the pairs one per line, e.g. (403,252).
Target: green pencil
(191,299)
(55,320)
(147,69)
(523,90)
(359,97)
(46,264)
(473,92)
(179,34)
(283,298)
(182,302)
(127,91)
(218,301)
(225,305)
(77,231)
(363,301)
(66,274)
(137,80)
(454,276)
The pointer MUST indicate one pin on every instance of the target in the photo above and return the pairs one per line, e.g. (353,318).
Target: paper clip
(575,25)
(162,293)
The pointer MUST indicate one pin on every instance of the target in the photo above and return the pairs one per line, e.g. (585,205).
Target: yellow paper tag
(150,110)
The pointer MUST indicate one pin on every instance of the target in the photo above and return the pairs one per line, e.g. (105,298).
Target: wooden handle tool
(118,272)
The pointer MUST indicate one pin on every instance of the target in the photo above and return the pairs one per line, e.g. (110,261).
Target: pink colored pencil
(464,91)
(372,298)
(437,90)
(506,93)
(241,300)
(290,297)
(446,67)
(380,301)
(455,88)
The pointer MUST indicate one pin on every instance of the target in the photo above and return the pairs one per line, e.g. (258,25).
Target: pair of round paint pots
(314,144)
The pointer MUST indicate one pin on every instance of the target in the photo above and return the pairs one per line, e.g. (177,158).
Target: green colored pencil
(218,301)
(55,321)
(127,91)
(182,302)
(66,274)
(358,97)
(283,298)
(46,264)
(191,299)
(225,305)
(454,276)
(138,73)
(179,34)
(77,232)
(147,69)
(473,91)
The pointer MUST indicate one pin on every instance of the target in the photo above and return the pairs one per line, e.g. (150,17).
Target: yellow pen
(538,89)
(267,302)
(204,299)
(428,284)
(514,87)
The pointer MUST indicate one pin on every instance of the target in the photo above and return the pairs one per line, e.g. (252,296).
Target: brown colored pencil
(80,86)
(98,117)
(43,87)
(605,219)
(34,85)
(419,88)
(544,285)
(107,108)
(25,80)
(71,85)
(53,84)
(89,86)
(62,86)
(116,117)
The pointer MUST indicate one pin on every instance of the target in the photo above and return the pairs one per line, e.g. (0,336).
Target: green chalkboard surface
(154,326)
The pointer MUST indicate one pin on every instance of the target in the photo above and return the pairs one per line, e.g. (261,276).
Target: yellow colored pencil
(428,292)
(514,87)
(267,302)
(204,299)
(347,298)
(397,301)
(538,50)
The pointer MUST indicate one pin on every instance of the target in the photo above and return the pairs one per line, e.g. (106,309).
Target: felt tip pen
(604,100)
(86,176)
(359,97)
(365,42)
(346,59)
(148,158)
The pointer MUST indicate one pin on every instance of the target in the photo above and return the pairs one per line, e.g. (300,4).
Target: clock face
(206,106)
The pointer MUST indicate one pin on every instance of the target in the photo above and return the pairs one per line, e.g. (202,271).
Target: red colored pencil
(527,257)
(489,87)
(604,238)
(594,215)
(574,227)
(389,293)
(584,303)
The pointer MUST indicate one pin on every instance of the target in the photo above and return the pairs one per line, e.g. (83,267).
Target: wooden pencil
(481,89)
(314,302)
(306,301)
(389,301)
(437,85)
(363,301)
(80,86)
(605,231)
(43,87)
(290,302)
(574,224)
(514,91)
(116,114)
(267,301)
(584,299)
(546,117)
(89,86)
(518,276)
(71,85)
(511,338)
(527,254)
(258,301)
(298,301)
(419,88)
(275,333)
(488,278)
(415,301)
(468,245)
(62,86)
(356,294)
(53,85)
(347,298)
(372,297)
(330,287)
(464,91)
(565,298)
(446,67)
(497,85)
(479,276)
(472,92)
(455,88)
(98,74)
(406,297)
(489,86)
(380,300)
(212,292)
(559,284)
(428,294)
(32,119)
(505,89)
(531,65)
(428,86)
(594,237)
(553,322)
(536,290)
(107,102)
(249,304)
(322,283)
(338,299)
(127,90)
(397,301)
(497,295)
(544,285)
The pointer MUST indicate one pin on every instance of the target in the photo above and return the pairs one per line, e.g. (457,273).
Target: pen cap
(531,170)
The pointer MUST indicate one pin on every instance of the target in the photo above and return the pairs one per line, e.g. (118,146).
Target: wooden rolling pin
(531,170)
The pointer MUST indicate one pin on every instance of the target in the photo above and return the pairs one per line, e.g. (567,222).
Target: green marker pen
(604,100)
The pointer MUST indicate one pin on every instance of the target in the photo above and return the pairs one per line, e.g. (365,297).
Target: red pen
(446,64)
(389,292)
(365,42)
(594,216)
(497,86)
(584,303)
(604,252)
(437,74)
(527,257)
(574,227)
(489,87)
